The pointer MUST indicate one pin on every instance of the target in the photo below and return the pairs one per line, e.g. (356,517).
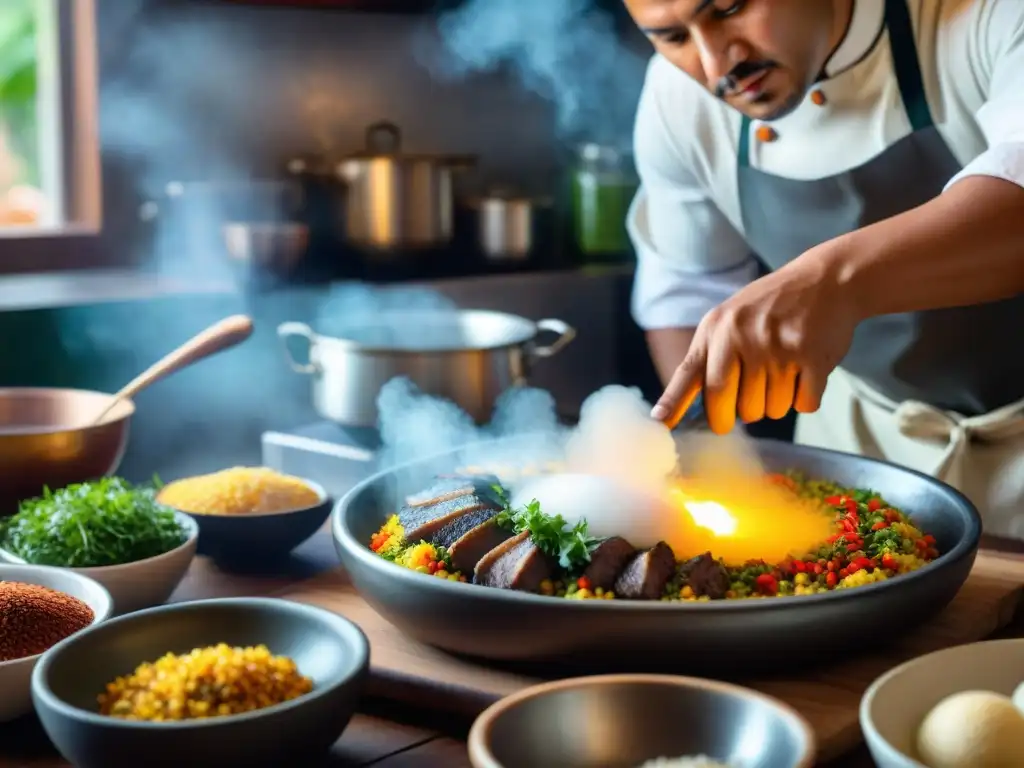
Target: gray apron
(965,359)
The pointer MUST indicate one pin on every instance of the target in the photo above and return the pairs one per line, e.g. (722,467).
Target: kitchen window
(49,153)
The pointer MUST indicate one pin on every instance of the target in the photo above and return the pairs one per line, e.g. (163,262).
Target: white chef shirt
(685,220)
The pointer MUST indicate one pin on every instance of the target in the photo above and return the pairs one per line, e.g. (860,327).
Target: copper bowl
(46,440)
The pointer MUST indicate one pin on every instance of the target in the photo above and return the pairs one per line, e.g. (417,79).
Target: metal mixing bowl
(626,720)
(45,440)
(727,636)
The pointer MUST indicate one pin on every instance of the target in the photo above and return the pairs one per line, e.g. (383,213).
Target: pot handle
(287,331)
(566,333)
(384,137)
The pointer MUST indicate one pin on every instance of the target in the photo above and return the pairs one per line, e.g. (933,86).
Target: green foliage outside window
(19,58)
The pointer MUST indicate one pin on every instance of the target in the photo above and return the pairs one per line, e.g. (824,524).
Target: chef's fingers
(721,385)
(750,404)
(810,387)
(683,388)
(781,389)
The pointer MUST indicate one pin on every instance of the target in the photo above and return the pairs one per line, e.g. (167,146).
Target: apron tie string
(919,420)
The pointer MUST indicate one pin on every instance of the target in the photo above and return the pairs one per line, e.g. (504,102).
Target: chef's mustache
(741,72)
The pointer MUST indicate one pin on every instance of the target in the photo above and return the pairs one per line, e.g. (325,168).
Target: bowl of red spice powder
(39,607)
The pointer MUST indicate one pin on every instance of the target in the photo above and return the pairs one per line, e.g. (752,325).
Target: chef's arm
(967,245)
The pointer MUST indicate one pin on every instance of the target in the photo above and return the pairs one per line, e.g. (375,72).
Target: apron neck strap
(907,68)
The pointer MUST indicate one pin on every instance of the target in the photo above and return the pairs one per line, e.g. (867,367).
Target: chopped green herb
(107,522)
(571,546)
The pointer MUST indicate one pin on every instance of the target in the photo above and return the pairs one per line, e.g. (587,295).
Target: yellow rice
(238,491)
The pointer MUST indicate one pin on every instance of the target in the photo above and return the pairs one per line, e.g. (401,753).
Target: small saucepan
(507,224)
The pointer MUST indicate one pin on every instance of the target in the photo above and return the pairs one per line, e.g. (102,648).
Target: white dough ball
(973,729)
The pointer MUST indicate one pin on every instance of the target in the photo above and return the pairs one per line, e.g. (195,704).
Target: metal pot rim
(521,331)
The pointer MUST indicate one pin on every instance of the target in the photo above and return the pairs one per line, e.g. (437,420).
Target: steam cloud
(566,51)
(615,436)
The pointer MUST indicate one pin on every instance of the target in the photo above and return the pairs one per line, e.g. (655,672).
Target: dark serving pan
(762,635)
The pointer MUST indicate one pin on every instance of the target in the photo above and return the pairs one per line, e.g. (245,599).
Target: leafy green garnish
(570,545)
(107,522)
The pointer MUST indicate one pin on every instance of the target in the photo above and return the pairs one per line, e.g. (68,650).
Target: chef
(871,154)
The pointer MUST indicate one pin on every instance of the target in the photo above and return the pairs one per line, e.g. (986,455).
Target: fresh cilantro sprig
(570,545)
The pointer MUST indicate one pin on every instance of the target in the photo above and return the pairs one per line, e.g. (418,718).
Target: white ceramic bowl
(144,583)
(16,675)
(894,706)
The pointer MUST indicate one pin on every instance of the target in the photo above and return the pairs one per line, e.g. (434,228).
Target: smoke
(565,51)
(615,435)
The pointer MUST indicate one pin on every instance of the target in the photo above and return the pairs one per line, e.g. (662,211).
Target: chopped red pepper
(879,525)
(834,501)
(874,505)
(831,579)
(890,562)
(767,584)
(583,582)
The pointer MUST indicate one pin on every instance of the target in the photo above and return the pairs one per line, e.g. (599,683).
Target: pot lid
(417,331)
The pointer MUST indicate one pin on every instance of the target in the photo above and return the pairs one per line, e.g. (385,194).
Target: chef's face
(760,56)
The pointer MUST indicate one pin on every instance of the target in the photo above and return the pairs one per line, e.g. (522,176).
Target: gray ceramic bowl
(261,535)
(331,650)
(626,720)
(720,637)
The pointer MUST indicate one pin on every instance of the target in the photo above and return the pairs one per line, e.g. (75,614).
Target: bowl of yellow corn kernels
(213,683)
(247,515)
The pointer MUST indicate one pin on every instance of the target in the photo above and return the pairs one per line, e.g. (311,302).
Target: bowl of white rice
(640,721)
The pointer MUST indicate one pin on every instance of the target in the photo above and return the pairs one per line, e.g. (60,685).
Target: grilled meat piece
(471,536)
(514,564)
(706,576)
(647,574)
(607,561)
(424,521)
(467,550)
(451,486)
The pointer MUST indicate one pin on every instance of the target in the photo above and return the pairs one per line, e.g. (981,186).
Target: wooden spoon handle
(218,337)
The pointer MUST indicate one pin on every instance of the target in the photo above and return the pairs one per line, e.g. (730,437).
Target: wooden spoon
(218,337)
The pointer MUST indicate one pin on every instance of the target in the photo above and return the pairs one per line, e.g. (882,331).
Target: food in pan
(239,491)
(33,618)
(87,525)
(972,729)
(464,529)
(208,682)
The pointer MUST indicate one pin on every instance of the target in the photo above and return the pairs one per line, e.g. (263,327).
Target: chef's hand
(767,349)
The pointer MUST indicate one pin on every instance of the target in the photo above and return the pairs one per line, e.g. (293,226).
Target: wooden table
(382,734)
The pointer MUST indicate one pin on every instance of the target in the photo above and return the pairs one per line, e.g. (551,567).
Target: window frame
(79,241)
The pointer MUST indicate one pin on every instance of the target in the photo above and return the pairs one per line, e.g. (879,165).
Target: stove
(336,457)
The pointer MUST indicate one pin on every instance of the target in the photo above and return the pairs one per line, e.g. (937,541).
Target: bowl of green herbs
(109,530)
